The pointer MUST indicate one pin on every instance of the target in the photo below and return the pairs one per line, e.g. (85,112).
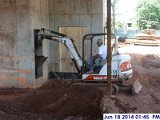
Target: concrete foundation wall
(17,66)
(70,13)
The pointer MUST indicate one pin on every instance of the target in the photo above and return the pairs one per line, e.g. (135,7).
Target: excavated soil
(58,100)
(55,100)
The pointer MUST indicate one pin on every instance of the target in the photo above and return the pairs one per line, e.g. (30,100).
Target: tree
(148,13)
(120,24)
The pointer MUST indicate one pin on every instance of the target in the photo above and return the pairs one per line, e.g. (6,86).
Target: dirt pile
(115,105)
(147,69)
(54,100)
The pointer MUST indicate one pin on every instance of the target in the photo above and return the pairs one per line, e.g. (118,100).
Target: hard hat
(99,42)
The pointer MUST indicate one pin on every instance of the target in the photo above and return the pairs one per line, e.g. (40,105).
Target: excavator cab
(89,48)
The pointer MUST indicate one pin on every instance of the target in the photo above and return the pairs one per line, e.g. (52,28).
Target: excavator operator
(101,55)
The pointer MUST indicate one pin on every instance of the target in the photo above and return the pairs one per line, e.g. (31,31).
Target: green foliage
(119,24)
(148,12)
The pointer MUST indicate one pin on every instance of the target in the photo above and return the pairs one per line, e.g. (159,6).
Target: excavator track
(116,87)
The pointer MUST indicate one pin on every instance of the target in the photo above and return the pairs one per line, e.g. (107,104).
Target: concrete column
(8,44)
(18,20)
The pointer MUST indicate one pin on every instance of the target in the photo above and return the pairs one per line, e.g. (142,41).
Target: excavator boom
(67,41)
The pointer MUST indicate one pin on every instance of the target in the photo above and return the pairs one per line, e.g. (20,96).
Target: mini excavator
(121,63)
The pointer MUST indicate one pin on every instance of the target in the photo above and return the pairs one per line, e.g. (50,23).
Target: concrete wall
(18,19)
(88,13)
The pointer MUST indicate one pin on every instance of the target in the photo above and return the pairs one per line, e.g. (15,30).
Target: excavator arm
(67,41)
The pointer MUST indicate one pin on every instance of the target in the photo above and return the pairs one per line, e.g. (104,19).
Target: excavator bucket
(137,86)
(40,60)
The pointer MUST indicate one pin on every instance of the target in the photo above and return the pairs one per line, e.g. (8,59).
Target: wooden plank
(143,42)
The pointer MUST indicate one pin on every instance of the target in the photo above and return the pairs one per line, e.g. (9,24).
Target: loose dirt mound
(54,100)
(147,69)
